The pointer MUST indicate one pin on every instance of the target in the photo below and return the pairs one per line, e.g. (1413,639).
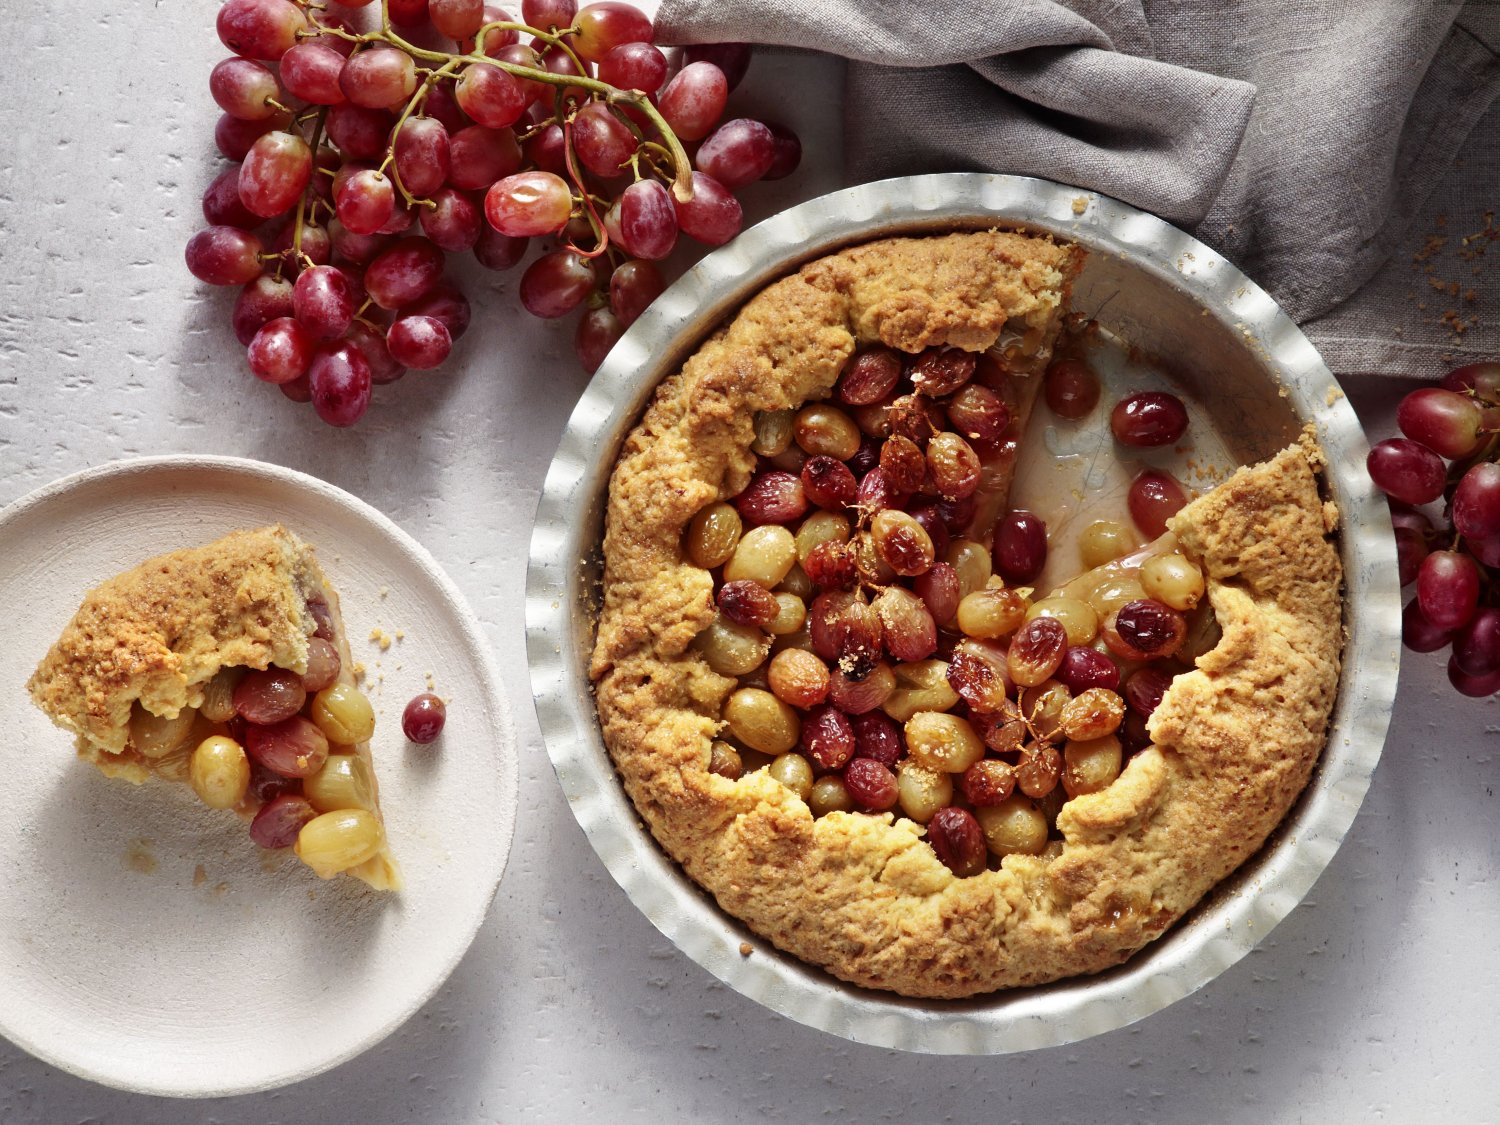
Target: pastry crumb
(746,949)
(1080,204)
(138,856)
(380,637)
(1333,395)
(384,591)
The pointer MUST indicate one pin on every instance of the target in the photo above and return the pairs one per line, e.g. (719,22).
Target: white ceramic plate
(145,941)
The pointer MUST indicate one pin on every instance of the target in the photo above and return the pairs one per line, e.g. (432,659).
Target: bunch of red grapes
(1452,438)
(362,159)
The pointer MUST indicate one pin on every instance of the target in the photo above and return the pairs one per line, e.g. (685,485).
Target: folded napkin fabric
(1321,146)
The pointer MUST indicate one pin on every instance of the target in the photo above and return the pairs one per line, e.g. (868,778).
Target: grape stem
(682,177)
(317,137)
(600,233)
(432,78)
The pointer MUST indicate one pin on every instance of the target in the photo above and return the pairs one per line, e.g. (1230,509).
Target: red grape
(1148,418)
(1154,498)
(713,216)
(731,58)
(495,39)
(496,251)
(408,13)
(298,390)
(1411,549)
(608,24)
(634,66)
(1445,421)
(521,55)
(311,72)
(1448,589)
(275,171)
(738,152)
(479,156)
(323,302)
(419,342)
(871,785)
(694,99)
(269,695)
(360,133)
(244,89)
(528,203)
(648,224)
(598,331)
(1020,549)
(602,141)
(379,78)
(490,96)
(1483,379)
(365,200)
(446,304)
(339,379)
(788,152)
(548,150)
(422,155)
(359,249)
(1407,471)
(1419,634)
(280,819)
(261,301)
(1071,389)
(224,256)
(280,351)
(423,718)
(454,222)
(260,29)
(315,246)
(457,19)
(1476,649)
(549,15)
(221,202)
(292,747)
(1083,668)
(406,272)
(234,137)
(1476,502)
(633,286)
(441,106)
(1475,686)
(371,344)
(556,283)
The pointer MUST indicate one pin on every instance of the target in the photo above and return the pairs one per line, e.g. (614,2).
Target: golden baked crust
(863,895)
(156,635)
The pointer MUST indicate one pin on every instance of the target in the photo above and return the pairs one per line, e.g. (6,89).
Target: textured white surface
(1372,1001)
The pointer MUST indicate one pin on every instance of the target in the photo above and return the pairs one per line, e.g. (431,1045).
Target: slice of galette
(226,668)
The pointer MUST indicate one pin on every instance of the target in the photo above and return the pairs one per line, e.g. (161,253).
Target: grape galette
(832,692)
(226,668)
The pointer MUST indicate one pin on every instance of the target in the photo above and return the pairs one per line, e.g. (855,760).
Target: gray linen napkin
(1338,151)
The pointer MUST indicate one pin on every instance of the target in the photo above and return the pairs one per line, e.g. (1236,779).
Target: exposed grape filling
(890,652)
(281,748)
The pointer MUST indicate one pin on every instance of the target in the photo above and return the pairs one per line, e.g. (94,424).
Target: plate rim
(498,704)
